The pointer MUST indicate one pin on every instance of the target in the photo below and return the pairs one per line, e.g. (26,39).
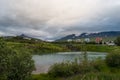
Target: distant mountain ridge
(25,36)
(91,35)
(22,36)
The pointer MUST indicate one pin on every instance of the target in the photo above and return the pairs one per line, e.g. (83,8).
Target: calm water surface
(43,62)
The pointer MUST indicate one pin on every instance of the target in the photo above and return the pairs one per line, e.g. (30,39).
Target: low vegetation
(117,41)
(15,65)
(113,59)
(45,47)
(37,48)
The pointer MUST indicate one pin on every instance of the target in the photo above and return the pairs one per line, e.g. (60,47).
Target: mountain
(28,37)
(72,36)
(91,35)
(25,36)
(21,37)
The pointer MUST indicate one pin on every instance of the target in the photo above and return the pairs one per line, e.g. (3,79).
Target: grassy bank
(96,48)
(88,47)
(88,76)
(37,48)
(45,47)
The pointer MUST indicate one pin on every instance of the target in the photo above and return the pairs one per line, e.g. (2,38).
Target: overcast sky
(52,19)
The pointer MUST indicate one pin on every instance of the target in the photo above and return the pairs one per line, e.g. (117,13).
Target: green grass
(37,48)
(95,47)
(43,77)
(88,76)
(100,48)
(95,76)
(45,47)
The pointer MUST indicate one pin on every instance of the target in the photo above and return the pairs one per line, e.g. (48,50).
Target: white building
(78,40)
(87,39)
(69,40)
(110,43)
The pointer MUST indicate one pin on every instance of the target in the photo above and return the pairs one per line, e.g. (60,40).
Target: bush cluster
(14,65)
(117,41)
(113,59)
(67,69)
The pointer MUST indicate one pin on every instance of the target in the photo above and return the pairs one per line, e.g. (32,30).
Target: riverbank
(88,76)
(37,48)
(48,48)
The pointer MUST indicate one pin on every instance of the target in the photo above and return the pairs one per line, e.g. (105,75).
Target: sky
(52,19)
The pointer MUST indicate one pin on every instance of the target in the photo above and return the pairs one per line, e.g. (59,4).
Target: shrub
(22,66)
(99,65)
(67,69)
(61,70)
(14,65)
(5,60)
(113,59)
(117,41)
